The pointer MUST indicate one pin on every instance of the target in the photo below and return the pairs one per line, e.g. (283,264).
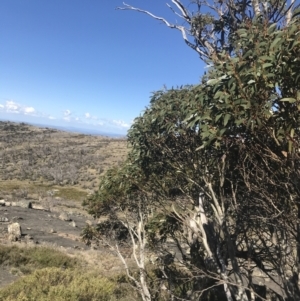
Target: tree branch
(185,15)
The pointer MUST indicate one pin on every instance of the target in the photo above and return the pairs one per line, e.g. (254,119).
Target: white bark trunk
(241,292)
(138,249)
(256,9)
(202,223)
(289,13)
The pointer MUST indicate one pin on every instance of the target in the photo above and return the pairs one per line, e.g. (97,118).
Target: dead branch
(185,15)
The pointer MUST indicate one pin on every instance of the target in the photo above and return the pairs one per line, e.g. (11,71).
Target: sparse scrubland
(56,169)
(46,157)
(40,162)
(205,202)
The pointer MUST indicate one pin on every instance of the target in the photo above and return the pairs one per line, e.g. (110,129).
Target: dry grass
(46,157)
(42,163)
(27,259)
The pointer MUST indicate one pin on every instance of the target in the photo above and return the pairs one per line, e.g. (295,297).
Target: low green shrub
(58,284)
(49,274)
(29,259)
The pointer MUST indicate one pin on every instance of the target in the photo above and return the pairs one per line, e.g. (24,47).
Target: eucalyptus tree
(208,26)
(222,158)
(230,146)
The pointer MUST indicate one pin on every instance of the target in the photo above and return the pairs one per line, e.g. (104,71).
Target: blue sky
(84,64)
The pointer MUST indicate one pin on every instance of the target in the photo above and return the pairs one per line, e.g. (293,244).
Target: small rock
(52,231)
(38,207)
(2,202)
(3,219)
(73,224)
(25,204)
(64,217)
(8,204)
(14,232)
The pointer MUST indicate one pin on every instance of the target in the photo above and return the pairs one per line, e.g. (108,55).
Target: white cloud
(86,120)
(11,106)
(121,123)
(29,110)
(90,117)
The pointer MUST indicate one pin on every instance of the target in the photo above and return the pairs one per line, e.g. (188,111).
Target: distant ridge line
(69,129)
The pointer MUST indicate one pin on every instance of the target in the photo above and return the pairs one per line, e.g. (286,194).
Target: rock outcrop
(14,232)
(25,204)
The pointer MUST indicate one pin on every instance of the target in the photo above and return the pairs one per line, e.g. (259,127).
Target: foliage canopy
(220,161)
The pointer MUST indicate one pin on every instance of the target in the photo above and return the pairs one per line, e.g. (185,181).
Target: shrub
(60,285)
(29,259)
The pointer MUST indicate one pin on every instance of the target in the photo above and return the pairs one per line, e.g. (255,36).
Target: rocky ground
(59,228)
(39,226)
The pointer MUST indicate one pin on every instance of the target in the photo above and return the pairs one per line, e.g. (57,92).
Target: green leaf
(218,117)
(205,134)
(266,65)
(265,58)
(258,121)
(290,100)
(294,44)
(212,82)
(218,94)
(240,121)
(226,118)
(276,41)
(222,131)
(272,28)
